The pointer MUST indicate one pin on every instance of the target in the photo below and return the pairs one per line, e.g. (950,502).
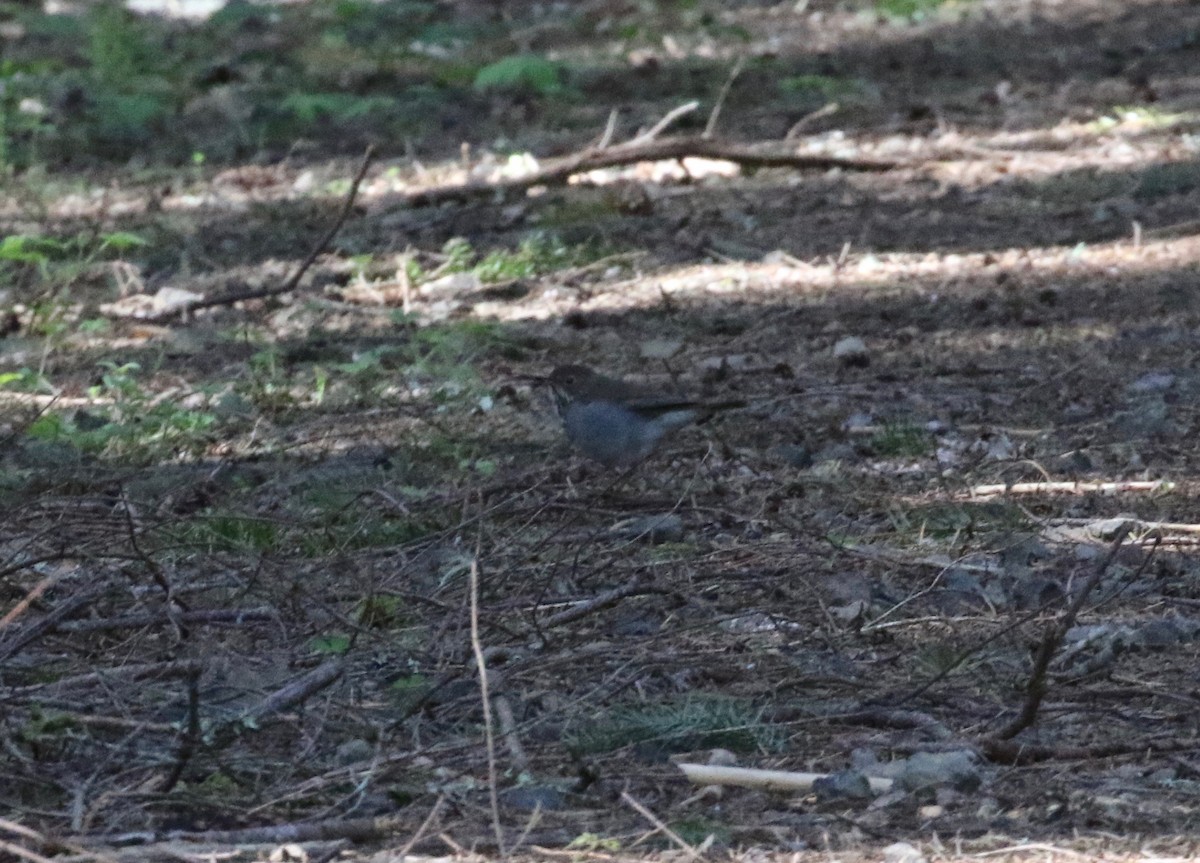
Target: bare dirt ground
(250,603)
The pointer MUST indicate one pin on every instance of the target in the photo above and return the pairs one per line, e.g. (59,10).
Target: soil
(970,386)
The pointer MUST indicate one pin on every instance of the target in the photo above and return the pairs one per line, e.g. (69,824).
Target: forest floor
(251,555)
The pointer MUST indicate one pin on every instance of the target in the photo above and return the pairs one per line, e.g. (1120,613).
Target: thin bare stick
(952,666)
(995,489)
(298,690)
(212,615)
(294,279)
(21,830)
(23,853)
(1135,523)
(489,733)
(799,126)
(771,780)
(30,597)
(58,844)
(1023,752)
(535,818)
(127,673)
(711,126)
(1036,688)
(508,728)
(659,825)
(558,171)
(19,429)
(610,129)
(669,118)
(406,285)
(420,834)
(356,829)
(634,587)
(189,743)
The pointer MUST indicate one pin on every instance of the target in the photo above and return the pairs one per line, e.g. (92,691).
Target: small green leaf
(48,427)
(122,241)
(335,644)
(523,71)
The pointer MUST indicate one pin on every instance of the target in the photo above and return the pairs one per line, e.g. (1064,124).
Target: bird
(616,423)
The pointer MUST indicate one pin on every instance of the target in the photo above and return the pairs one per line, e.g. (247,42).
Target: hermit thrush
(617,423)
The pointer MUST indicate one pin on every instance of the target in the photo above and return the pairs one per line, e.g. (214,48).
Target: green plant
(950,520)
(379,611)
(521,72)
(334,644)
(366,23)
(22,114)
(45,731)
(130,91)
(693,723)
(267,383)
(593,843)
(696,830)
(82,247)
(336,107)
(25,380)
(141,422)
(940,657)
(911,10)
(117,46)
(31,250)
(49,268)
(228,531)
(539,252)
(133,425)
(328,522)
(1140,117)
(824,86)
(459,255)
(902,440)
(408,691)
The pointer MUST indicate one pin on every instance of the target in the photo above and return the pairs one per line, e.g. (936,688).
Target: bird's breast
(610,433)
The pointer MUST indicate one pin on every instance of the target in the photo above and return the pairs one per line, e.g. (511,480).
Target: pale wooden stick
(771,780)
(999,488)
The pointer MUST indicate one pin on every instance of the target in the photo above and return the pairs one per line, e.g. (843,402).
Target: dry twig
(489,733)
(641,150)
(1036,688)
(291,283)
(711,126)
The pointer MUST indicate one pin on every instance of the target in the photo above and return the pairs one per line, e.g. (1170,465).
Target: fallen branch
(999,488)
(296,692)
(53,620)
(354,829)
(767,780)
(1161,527)
(291,283)
(191,739)
(1036,688)
(558,171)
(128,673)
(668,118)
(1016,753)
(710,128)
(489,734)
(270,709)
(178,852)
(129,621)
(607,599)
